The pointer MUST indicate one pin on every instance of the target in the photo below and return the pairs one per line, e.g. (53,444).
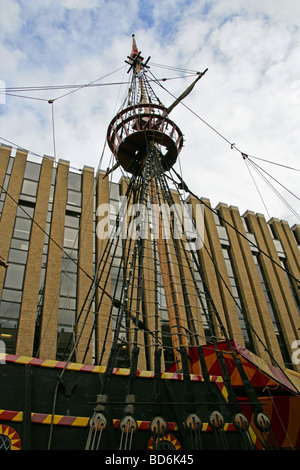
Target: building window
(22,229)
(5,184)
(68,287)
(25,210)
(74,181)
(29,188)
(9,315)
(74,198)
(206,314)
(14,276)
(290,281)
(32,171)
(74,192)
(272,310)
(11,295)
(71,238)
(17,256)
(238,300)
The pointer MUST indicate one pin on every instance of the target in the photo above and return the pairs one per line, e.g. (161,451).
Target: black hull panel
(47,412)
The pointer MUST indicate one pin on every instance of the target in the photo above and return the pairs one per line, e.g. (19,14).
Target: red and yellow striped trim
(61,420)
(83,422)
(79,421)
(11,358)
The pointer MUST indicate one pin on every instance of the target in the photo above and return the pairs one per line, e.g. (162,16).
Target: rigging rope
(221,277)
(232,145)
(238,418)
(137,261)
(232,226)
(260,171)
(257,188)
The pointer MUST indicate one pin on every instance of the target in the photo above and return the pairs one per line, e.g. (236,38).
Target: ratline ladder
(160,303)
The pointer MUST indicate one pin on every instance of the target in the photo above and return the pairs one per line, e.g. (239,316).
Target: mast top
(134,46)
(144,121)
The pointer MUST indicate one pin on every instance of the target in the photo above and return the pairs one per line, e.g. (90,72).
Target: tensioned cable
(235,407)
(13,91)
(232,226)
(199,117)
(232,145)
(234,299)
(170,67)
(52,239)
(91,83)
(274,163)
(243,377)
(224,220)
(260,172)
(96,282)
(257,188)
(87,85)
(261,169)
(18,147)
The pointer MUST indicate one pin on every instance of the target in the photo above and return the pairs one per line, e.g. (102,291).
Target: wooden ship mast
(146,143)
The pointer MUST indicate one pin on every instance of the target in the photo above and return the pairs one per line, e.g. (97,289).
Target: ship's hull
(40,411)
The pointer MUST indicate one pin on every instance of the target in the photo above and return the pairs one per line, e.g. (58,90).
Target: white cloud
(80,4)
(10,18)
(250,93)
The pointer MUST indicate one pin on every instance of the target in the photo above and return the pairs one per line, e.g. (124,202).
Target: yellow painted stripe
(146,373)
(122,371)
(18,417)
(74,366)
(252,435)
(80,421)
(23,360)
(48,419)
(101,369)
(49,363)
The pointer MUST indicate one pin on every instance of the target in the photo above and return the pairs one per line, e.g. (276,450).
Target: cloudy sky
(250,96)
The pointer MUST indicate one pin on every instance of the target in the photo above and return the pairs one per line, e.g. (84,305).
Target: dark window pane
(9,310)
(8,334)
(14,276)
(114,191)
(17,256)
(74,181)
(29,188)
(22,229)
(25,211)
(32,171)
(66,317)
(74,198)
(19,244)
(68,285)
(67,303)
(11,295)
(64,344)
(71,238)
(71,221)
